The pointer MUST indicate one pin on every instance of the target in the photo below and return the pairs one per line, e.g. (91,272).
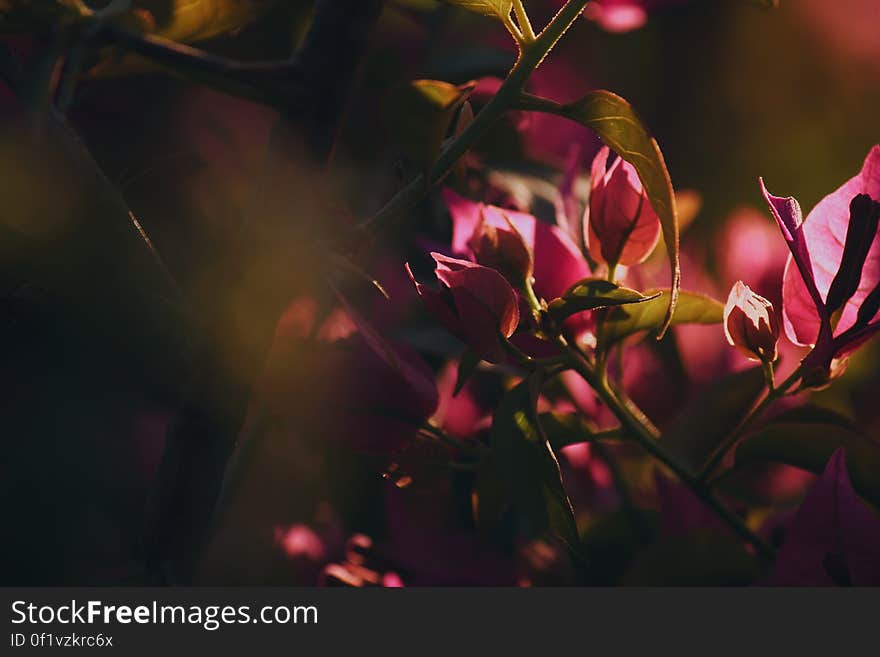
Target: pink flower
(750,323)
(830,286)
(502,249)
(474,302)
(620,226)
(556,260)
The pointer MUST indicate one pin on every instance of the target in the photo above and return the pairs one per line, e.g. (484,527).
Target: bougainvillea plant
(463,374)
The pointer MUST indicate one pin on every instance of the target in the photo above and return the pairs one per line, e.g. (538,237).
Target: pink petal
(437,305)
(622,223)
(825,232)
(787,212)
(558,263)
(485,302)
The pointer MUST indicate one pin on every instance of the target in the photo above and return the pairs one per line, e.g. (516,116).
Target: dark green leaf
(492,499)
(613,542)
(529,468)
(704,559)
(345,265)
(712,414)
(67,230)
(592,293)
(692,308)
(813,413)
(614,119)
(467,365)
(563,429)
(809,445)
(422,116)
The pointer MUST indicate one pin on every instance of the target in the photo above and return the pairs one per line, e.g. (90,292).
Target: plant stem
(522,18)
(638,426)
(773,393)
(531,55)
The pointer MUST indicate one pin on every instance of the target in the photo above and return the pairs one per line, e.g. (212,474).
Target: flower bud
(750,323)
(620,225)
(502,249)
(474,302)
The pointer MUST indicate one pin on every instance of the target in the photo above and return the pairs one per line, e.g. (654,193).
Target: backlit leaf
(692,308)
(196,20)
(497,8)
(594,293)
(614,119)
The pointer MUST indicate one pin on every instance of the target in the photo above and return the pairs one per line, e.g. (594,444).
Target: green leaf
(529,468)
(592,293)
(809,445)
(422,115)
(195,20)
(496,8)
(712,414)
(615,121)
(692,308)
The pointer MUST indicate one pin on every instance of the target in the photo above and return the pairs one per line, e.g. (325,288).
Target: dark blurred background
(731,92)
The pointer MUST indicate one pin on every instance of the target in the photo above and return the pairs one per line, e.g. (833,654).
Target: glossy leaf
(594,293)
(614,119)
(692,308)
(809,445)
(496,8)
(529,468)
(712,414)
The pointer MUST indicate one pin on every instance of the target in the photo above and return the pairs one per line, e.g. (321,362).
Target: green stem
(525,24)
(531,55)
(728,443)
(641,430)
